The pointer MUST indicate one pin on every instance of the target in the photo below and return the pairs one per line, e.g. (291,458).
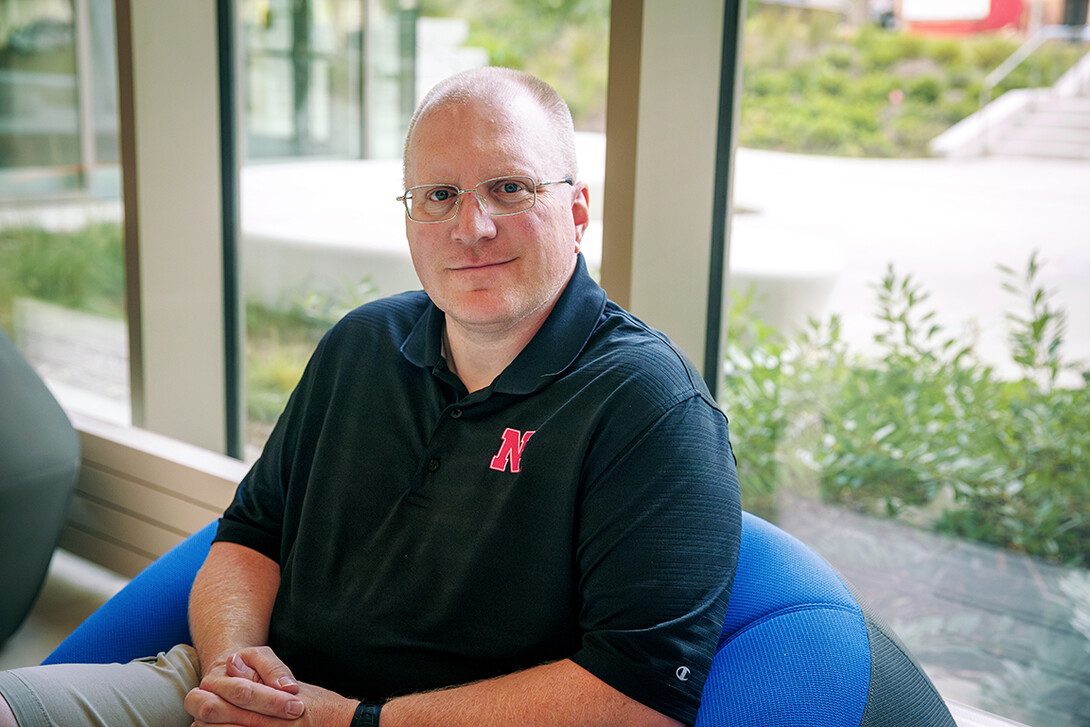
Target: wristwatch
(366,715)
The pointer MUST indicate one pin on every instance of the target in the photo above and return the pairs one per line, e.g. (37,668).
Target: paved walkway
(947,222)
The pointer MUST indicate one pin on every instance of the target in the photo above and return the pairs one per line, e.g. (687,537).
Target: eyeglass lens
(499,196)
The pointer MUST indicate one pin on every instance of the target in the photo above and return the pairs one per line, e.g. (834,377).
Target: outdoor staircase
(1052,123)
(1052,126)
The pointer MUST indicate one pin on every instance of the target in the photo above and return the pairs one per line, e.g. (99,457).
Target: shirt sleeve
(257,514)
(658,546)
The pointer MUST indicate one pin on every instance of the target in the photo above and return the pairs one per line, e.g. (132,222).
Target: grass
(82,269)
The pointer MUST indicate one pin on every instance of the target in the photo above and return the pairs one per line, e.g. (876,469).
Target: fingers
(253,688)
(237,668)
(231,700)
(261,664)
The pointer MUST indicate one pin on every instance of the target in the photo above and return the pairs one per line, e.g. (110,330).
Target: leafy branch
(923,429)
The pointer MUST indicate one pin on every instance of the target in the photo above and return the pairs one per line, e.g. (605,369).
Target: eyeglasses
(499,197)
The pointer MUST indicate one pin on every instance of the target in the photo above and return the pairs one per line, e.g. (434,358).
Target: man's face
(493,274)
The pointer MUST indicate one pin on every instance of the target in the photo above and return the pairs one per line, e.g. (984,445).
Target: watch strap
(367,714)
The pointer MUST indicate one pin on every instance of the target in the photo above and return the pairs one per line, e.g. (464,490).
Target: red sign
(962,17)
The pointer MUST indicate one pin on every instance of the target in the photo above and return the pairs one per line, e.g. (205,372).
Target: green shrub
(926,89)
(82,269)
(794,61)
(876,49)
(757,363)
(560,41)
(892,431)
(840,58)
(921,430)
(947,52)
(279,343)
(832,82)
(1041,437)
(768,84)
(877,86)
(913,130)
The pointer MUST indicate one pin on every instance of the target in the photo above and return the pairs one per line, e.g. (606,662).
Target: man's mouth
(481,265)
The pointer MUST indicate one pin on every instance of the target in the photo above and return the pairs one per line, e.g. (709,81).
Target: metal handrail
(1004,69)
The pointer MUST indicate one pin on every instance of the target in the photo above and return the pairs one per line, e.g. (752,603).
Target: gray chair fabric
(39,464)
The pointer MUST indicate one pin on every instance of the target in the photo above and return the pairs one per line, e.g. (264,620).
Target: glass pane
(39,115)
(331,88)
(104,67)
(61,266)
(269,108)
(302,78)
(910,332)
(307,253)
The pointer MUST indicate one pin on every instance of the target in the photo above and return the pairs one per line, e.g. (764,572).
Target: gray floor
(73,589)
(994,629)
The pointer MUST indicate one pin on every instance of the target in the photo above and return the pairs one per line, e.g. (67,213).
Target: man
(505,501)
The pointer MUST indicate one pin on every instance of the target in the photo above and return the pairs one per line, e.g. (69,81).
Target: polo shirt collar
(555,346)
(424,345)
(561,338)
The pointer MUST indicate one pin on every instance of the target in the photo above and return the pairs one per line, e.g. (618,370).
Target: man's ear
(580,211)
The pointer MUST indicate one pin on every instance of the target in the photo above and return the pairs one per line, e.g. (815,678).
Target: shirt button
(456,414)
(433,465)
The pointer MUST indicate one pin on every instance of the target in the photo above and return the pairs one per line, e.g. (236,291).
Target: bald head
(491,85)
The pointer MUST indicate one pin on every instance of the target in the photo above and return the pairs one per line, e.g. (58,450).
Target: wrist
(216,662)
(214,654)
(366,715)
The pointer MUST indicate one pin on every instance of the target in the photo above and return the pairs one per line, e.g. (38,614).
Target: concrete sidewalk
(947,222)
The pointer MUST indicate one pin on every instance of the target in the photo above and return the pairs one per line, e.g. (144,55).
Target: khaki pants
(143,693)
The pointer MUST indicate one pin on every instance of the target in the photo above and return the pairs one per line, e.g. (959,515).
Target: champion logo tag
(510,454)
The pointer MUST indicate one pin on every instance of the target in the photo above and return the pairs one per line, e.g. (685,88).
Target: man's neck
(478,354)
(477,357)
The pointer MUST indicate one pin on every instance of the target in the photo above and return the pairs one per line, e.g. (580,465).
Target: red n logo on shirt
(510,452)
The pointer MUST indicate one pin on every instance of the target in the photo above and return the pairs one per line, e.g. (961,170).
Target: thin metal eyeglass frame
(405,198)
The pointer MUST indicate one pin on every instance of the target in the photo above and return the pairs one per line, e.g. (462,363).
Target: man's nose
(471,222)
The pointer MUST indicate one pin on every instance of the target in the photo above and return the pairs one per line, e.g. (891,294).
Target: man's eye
(510,186)
(439,194)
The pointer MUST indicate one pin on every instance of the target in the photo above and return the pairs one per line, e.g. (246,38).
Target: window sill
(967,716)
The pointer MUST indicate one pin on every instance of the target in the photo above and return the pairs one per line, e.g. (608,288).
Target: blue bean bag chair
(798,648)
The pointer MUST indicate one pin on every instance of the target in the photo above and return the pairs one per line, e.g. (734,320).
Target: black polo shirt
(584,506)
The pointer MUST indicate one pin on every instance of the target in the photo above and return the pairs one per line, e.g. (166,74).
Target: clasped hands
(254,688)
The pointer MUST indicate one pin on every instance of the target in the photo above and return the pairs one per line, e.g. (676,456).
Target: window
(928,433)
(61,268)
